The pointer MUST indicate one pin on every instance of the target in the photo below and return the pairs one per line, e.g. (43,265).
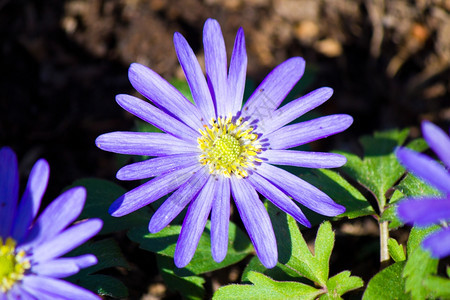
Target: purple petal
(274,88)
(157,166)
(303,159)
(424,211)
(49,288)
(143,143)
(425,167)
(164,95)
(438,141)
(438,243)
(18,292)
(9,189)
(57,268)
(57,216)
(237,73)
(278,198)
(273,120)
(67,240)
(220,219)
(256,221)
(194,224)
(150,191)
(305,132)
(216,65)
(194,76)
(300,190)
(156,117)
(31,199)
(178,201)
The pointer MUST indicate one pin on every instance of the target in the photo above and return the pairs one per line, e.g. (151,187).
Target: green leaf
(108,255)
(100,195)
(103,285)
(416,236)
(191,287)
(340,190)
(379,170)
(387,284)
(439,286)
(280,272)
(395,250)
(164,243)
(340,284)
(411,186)
(266,288)
(182,86)
(390,215)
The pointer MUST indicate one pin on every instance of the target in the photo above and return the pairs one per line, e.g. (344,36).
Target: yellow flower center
(12,264)
(229,147)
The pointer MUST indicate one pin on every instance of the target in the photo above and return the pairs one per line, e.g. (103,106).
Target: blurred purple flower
(30,247)
(429,210)
(217,148)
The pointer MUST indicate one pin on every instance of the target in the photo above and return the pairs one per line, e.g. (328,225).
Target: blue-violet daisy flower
(216,148)
(31,247)
(426,211)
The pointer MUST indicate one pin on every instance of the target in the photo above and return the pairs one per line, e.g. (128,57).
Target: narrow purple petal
(438,243)
(57,268)
(426,168)
(156,117)
(50,288)
(237,73)
(308,131)
(150,191)
(9,189)
(194,224)
(278,198)
(438,141)
(57,216)
(67,240)
(178,201)
(164,95)
(220,219)
(194,76)
(274,88)
(18,292)
(300,190)
(143,143)
(303,159)
(31,199)
(256,221)
(271,121)
(424,211)
(157,166)
(216,65)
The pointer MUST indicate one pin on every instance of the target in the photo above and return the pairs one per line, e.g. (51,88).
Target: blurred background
(63,62)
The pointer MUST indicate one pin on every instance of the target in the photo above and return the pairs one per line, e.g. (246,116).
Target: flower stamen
(12,265)
(229,146)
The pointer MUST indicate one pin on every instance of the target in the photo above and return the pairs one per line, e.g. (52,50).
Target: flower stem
(384,237)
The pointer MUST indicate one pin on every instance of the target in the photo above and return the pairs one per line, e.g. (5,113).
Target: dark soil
(62,63)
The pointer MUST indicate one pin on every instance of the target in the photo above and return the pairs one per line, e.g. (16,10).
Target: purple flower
(429,210)
(217,148)
(31,247)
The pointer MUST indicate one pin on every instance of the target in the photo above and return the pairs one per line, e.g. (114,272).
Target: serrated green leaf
(190,287)
(411,186)
(280,272)
(387,284)
(379,170)
(416,236)
(266,288)
(340,284)
(100,195)
(390,215)
(395,250)
(164,243)
(108,255)
(323,247)
(418,267)
(342,192)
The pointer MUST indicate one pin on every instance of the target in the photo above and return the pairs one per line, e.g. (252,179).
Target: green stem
(384,237)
